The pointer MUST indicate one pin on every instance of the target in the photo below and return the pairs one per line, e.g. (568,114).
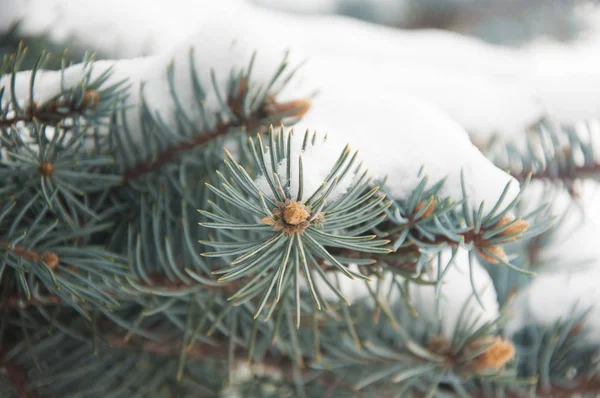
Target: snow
(317,162)
(456,299)
(488,89)
(406,99)
(430,64)
(566,284)
(572,245)
(456,294)
(406,134)
(415,133)
(558,296)
(118,29)
(220,52)
(304,6)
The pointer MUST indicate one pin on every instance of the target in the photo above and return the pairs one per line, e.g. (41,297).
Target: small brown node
(46,168)
(493,254)
(498,354)
(90,98)
(515,230)
(51,259)
(291,217)
(428,211)
(295,108)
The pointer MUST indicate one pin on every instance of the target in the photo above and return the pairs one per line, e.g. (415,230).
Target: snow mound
(398,135)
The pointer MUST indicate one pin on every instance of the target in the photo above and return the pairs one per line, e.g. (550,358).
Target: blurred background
(513,23)
(507,22)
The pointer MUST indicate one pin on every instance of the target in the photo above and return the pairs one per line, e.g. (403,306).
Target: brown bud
(242,87)
(295,213)
(90,98)
(439,345)
(299,107)
(428,211)
(51,259)
(576,329)
(235,102)
(46,169)
(498,251)
(517,228)
(498,354)
(268,220)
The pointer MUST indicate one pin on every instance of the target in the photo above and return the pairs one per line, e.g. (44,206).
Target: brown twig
(48,111)
(575,173)
(50,258)
(252,122)
(23,302)
(156,161)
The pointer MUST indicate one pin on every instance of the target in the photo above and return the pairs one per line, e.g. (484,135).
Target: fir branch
(292,233)
(563,175)
(555,154)
(253,122)
(48,257)
(88,98)
(478,239)
(237,112)
(425,223)
(274,364)
(54,110)
(156,161)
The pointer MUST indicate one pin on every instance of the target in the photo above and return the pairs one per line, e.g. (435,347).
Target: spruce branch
(58,265)
(425,223)
(555,154)
(252,123)
(559,355)
(89,99)
(413,359)
(291,231)
(49,258)
(243,110)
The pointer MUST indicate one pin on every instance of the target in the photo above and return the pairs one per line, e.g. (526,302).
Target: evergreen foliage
(112,284)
